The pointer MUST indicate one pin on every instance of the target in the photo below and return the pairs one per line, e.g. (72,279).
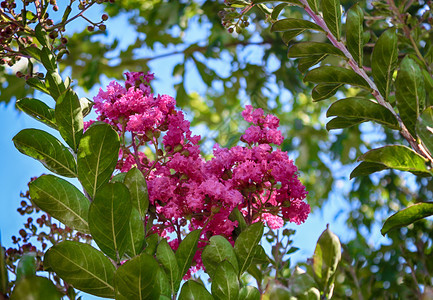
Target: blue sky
(17,168)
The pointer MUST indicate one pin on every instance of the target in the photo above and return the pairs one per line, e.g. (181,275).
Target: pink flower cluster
(187,191)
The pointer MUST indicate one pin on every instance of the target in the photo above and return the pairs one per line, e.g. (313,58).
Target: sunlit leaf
(407,216)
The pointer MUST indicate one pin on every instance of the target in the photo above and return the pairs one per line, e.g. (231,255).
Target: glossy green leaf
(135,233)
(300,282)
(137,186)
(137,279)
(277,10)
(192,290)
(120,177)
(367,168)
(294,24)
(362,108)
(41,35)
(424,128)
(332,15)
(335,75)
(384,61)
(167,259)
(308,49)
(55,84)
(151,243)
(97,156)
(164,284)
(33,51)
(324,91)
(290,35)
(410,93)
(38,110)
(61,200)
(26,266)
(82,266)
(307,62)
(48,59)
(186,251)
(4,280)
(218,250)
(355,32)
(37,84)
(109,216)
(35,288)
(225,283)
(339,123)
(326,257)
(397,157)
(407,216)
(48,150)
(314,5)
(245,245)
(69,118)
(249,293)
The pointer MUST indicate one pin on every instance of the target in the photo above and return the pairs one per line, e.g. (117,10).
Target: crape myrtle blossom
(187,192)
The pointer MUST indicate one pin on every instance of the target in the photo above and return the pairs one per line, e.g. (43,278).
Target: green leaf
(61,200)
(137,186)
(186,251)
(249,293)
(410,93)
(314,5)
(55,84)
(335,75)
(407,216)
(332,15)
(397,157)
(290,35)
(69,118)
(355,32)
(308,49)
(384,61)
(192,290)
(47,149)
(86,106)
(3,271)
(97,156)
(48,59)
(324,91)
(307,62)
(277,292)
(120,177)
(225,283)
(424,128)
(367,168)
(37,84)
(26,266)
(35,288)
(277,10)
(109,216)
(294,24)
(151,243)
(137,279)
(218,250)
(326,257)
(42,35)
(164,284)
(167,259)
(236,215)
(300,282)
(82,266)
(33,51)
(339,123)
(362,108)
(135,234)
(38,110)
(245,245)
